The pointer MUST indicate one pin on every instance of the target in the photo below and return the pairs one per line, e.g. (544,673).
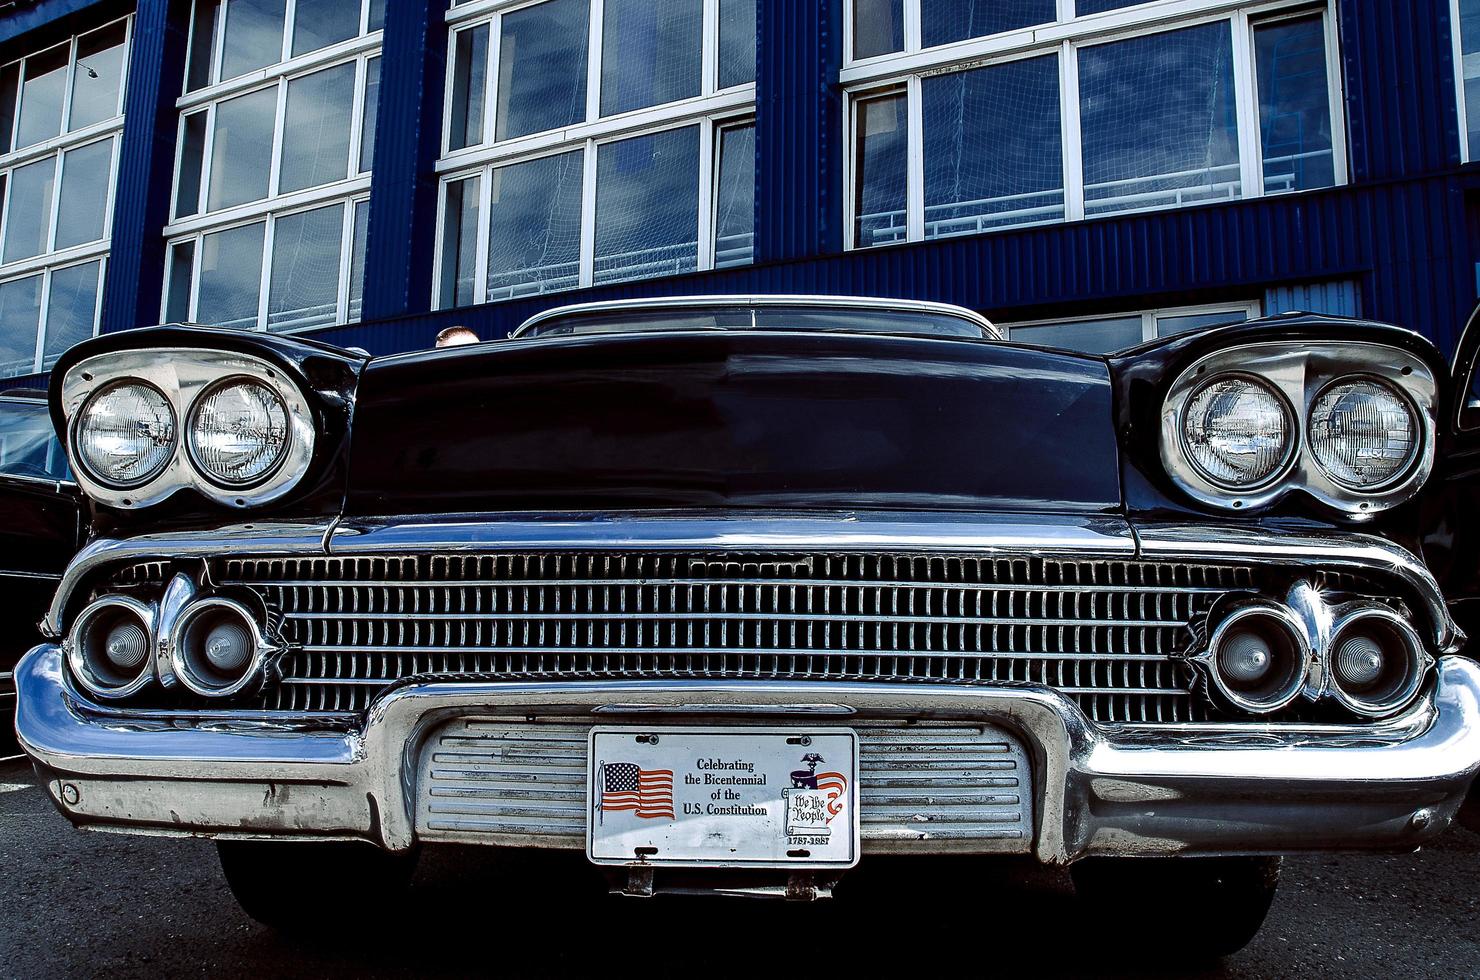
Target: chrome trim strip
(255,539)
(821,302)
(37,576)
(1315,549)
(1254,789)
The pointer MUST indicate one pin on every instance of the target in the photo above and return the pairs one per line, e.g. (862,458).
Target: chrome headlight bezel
(1301,372)
(183,376)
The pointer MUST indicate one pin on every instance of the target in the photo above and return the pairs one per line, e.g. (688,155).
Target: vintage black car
(737,592)
(40,530)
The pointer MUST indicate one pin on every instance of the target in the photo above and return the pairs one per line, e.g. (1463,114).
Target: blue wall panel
(403,198)
(1339,298)
(799,133)
(146,166)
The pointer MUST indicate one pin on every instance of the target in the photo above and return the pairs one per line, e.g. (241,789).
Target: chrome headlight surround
(1301,372)
(183,376)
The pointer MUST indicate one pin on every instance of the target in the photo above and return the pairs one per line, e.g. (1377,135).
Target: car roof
(731,301)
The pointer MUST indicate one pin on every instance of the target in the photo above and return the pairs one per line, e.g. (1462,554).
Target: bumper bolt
(1421,819)
(71,795)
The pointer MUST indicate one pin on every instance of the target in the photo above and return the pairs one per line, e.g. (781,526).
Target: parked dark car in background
(737,592)
(40,530)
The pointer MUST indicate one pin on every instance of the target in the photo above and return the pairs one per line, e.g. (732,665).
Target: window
(1466,18)
(1103,335)
(277,135)
(61,111)
(29,448)
(1131,112)
(594,142)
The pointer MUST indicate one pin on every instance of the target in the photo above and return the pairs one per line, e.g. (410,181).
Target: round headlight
(238,432)
(1237,431)
(1363,433)
(125,434)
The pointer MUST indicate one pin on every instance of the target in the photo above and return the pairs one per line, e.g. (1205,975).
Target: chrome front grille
(1103,632)
(510,781)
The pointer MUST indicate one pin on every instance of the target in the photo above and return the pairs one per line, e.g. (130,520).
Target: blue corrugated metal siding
(1402,114)
(1336,298)
(50,17)
(799,129)
(401,239)
(146,166)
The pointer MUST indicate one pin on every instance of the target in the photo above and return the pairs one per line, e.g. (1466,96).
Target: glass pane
(30,209)
(734,200)
(542,68)
(944,21)
(10,80)
(1294,105)
(460,244)
(469,72)
(28,443)
(357,260)
(202,44)
(320,23)
(1166,326)
(377,15)
(83,204)
(241,156)
(367,122)
(1085,7)
(878,27)
(99,76)
(993,154)
(71,310)
(231,277)
(534,217)
(20,311)
(42,96)
(879,161)
(305,269)
(1160,128)
(736,42)
(650,53)
(182,274)
(647,206)
(192,159)
(1091,336)
(254,36)
(316,128)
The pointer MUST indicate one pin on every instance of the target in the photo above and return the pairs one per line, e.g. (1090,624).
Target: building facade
(1088,173)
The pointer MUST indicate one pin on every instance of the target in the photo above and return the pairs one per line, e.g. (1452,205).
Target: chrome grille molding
(1101,631)
(507,780)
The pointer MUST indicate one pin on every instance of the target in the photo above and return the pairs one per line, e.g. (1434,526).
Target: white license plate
(738,797)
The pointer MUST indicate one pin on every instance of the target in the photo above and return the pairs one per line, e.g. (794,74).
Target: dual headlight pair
(1352,424)
(236,434)
(1240,432)
(143,424)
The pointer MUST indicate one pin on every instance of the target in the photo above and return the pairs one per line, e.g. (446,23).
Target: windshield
(28,445)
(904,323)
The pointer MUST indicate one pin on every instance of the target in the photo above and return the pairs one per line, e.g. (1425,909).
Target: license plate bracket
(723,797)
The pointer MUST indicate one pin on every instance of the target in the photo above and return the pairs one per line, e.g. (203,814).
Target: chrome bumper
(1245,789)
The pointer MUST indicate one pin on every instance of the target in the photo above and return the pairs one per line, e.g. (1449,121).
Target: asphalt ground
(76,904)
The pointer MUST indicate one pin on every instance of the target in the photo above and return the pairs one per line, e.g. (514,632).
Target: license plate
(736,798)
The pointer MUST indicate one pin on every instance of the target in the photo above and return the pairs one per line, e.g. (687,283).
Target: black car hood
(733,419)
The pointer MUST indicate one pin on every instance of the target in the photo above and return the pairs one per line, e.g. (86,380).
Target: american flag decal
(627,786)
(834,784)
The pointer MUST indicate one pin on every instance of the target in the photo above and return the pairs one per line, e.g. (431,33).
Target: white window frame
(906,71)
(707,174)
(1457,41)
(287,62)
(264,294)
(50,260)
(1252,309)
(712,110)
(346,192)
(46,273)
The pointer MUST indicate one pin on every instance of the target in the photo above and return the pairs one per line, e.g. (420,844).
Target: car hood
(739,419)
